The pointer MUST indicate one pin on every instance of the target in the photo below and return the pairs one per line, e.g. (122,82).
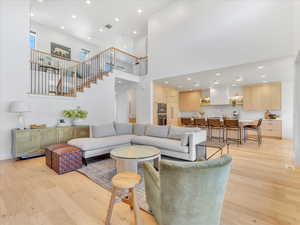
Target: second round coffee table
(127,158)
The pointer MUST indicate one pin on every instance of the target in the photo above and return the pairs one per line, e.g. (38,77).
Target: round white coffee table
(127,158)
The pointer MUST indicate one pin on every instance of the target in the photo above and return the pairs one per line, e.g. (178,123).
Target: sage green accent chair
(187,193)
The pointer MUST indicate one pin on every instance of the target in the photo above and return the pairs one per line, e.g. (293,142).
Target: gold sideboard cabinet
(32,142)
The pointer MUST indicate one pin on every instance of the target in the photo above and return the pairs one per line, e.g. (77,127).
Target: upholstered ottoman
(67,159)
(50,149)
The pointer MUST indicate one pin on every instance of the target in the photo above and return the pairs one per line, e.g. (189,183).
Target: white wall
(140,46)
(99,100)
(193,36)
(46,35)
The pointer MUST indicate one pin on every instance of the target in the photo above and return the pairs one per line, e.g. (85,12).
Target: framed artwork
(60,51)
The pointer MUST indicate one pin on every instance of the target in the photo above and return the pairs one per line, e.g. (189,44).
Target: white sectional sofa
(177,142)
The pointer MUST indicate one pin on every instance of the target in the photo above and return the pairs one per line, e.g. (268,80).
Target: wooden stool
(127,181)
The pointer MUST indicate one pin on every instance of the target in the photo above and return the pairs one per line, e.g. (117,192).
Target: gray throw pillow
(103,130)
(157,131)
(123,128)
(139,129)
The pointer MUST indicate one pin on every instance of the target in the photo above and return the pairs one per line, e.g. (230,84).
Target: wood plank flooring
(263,190)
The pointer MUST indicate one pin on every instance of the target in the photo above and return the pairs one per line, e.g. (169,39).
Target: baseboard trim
(5,156)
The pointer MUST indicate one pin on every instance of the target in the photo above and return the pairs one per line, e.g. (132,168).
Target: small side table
(201,148)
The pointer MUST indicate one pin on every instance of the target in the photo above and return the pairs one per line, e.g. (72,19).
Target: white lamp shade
(19,107)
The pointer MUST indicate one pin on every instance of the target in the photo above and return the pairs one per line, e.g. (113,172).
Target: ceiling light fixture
(139,11)
(101,30)
(120,82)
(135,32)
(40,1)
(218,74)
(234,85)
(216,82)
(89,38)
(74,16)
(260,67)
(88,2)
(32,14)
(117,19)
(188,78)
(62,27)
(263,76)
(197,84)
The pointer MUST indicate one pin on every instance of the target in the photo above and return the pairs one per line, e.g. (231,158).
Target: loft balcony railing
(64,77)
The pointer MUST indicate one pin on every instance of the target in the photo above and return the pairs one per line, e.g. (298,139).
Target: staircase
(58,76)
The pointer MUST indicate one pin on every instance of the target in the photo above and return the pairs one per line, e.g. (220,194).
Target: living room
(84,86)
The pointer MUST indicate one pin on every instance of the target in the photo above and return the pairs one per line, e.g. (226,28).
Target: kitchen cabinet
(269,128)
(169,96)
(189,101)
(262,96)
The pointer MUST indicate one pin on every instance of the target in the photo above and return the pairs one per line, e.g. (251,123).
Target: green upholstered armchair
(187,193)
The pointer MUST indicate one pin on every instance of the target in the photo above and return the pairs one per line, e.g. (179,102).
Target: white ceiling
(91,17)
(273,70)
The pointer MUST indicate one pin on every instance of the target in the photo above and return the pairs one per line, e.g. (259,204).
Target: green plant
(75,113)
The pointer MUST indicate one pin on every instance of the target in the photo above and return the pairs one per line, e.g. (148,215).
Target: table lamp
(20,108)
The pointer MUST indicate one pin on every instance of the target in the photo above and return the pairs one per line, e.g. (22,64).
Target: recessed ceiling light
(234,85)
(89,38)
(88,2)
(216,82)
(139,11)
(218,74)
(40,0)
(32,14)
(188,78)
(260,67)
(166,82)
(101,30)
(117,19)
(74,16)
(263,76)
(239,79)
(135,32)
(120,82)
(197,84)
(62,27)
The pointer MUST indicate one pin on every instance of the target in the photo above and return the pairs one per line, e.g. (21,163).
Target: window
(84,54)
(32,39)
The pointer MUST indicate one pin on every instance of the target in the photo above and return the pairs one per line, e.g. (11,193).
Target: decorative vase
(77,122)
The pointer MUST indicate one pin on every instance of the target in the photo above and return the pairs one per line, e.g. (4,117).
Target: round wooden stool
(125,181)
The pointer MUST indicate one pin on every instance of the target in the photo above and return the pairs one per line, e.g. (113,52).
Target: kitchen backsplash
(226,110)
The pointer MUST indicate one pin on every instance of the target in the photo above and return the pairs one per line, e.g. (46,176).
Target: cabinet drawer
(271,124)
(272,133)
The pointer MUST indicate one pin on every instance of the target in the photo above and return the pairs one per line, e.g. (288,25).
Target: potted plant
(77,115)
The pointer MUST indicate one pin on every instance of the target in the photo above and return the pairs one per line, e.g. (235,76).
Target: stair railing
(65,77)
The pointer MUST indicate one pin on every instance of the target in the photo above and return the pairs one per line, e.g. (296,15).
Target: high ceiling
(93,15)
(265,71)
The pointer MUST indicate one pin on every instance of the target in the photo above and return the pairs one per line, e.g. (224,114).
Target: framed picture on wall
(60,51)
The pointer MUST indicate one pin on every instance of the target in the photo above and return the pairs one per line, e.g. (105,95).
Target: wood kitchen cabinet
(189,101)
(169,96)
(262,96)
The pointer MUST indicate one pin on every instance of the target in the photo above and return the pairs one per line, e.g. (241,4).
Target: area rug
(101,172)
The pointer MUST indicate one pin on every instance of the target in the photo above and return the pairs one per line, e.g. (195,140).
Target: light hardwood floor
(261,191)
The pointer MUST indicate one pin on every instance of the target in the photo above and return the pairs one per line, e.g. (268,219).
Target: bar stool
(187,122)
(202,123)
(256,128)
(215,124)
(125,181)
(233,125)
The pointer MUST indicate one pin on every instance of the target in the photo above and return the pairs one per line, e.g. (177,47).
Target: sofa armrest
(197,137)
(152,173)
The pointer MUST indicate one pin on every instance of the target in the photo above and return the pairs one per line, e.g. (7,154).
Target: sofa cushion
(157,131)
(123,128)
(139,129)
(161,143)
(103,130)
(87,144)
(180,133)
